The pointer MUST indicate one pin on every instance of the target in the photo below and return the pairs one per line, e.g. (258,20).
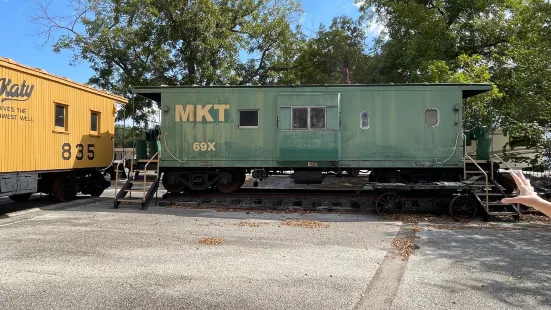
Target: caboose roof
(42,74)
(467,90)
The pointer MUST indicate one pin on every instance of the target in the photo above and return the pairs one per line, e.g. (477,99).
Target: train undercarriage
(228,180)
(62,186)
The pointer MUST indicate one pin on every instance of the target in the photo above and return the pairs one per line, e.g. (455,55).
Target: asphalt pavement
(93,257)
(85,255)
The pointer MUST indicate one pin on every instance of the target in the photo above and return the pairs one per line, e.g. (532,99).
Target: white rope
(453,152)
(169,152)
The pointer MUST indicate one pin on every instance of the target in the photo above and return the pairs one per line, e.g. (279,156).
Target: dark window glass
(300,118)
(248,118)
(317,118)
(364,120)
(59,116)
(94,122)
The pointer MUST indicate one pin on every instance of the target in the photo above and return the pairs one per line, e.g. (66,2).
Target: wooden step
(130,200)
(148,170)
(477,171)
(147,160)
(497,204)
(141,182)
(136,190)
(503,213)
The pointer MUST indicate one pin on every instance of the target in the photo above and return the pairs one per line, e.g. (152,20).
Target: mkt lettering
(192,112)
(15,92)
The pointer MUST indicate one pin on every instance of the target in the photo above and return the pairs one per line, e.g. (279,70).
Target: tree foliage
(505,42)
(177,42)
(323,57)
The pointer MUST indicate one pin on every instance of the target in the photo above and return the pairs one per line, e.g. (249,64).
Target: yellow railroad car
(57,135)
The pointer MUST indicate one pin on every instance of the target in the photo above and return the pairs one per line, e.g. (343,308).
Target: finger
(516,178)
(511,200)
(522,178)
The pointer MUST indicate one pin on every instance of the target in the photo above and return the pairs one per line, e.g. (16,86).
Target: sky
(21,44)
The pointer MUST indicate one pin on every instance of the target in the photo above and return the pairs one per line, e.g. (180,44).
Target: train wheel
(463,208)
(63,191)
(389,204)
(20,197)
(96,191)
(172,183)
(234,184)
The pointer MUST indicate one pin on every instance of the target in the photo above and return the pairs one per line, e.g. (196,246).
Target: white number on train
(204,146)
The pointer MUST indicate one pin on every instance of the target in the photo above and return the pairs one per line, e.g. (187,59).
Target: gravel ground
(92,257)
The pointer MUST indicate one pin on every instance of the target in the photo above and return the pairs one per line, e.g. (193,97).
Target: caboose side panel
(57,133)
(396,127)
(50,123)
(222,127)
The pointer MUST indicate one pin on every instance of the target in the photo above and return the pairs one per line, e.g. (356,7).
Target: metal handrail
(464,153)
(145,173)
(503,162)
(491,157)
(485,176)
(117,171)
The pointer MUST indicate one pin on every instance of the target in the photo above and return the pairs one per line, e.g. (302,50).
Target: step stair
(494,206)
(133,185)
(485,186)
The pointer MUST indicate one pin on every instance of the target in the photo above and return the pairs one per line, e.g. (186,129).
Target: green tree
(125,135)
(177,42)
(322,59)
(505,42)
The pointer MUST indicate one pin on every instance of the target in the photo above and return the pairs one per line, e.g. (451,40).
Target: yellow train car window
(94,122)
(61,117)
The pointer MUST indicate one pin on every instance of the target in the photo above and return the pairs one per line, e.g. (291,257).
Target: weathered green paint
(397,135)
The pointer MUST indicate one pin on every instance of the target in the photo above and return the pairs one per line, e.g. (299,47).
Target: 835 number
(66,150)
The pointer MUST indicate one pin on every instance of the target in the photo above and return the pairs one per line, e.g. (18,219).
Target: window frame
(248,110)
(309,125)
(437,117)
(324,118)
(65,128)
(98,123)
(368,122)
(307,118)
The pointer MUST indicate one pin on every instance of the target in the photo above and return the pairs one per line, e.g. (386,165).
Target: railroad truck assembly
(57,134)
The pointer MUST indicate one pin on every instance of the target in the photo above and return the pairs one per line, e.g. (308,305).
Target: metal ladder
(146,188)
(488,192)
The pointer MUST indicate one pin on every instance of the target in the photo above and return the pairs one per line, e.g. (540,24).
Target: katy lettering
(15,92)
(192,112)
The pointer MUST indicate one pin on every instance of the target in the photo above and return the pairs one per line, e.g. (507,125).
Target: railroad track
(300,199)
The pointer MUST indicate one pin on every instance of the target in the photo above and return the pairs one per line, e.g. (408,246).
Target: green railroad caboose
(212,136)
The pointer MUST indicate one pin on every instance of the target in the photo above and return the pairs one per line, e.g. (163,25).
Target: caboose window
(94,121)
(60,111)
(364,120)
(300,118)
(248,118)
(317,118)
(431,117)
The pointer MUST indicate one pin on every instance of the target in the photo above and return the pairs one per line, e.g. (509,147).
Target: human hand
(526,196)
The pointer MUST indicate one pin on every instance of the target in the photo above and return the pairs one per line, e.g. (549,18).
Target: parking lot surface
(92,257)
(84,255)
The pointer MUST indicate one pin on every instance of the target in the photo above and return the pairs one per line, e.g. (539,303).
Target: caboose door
(308,128)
